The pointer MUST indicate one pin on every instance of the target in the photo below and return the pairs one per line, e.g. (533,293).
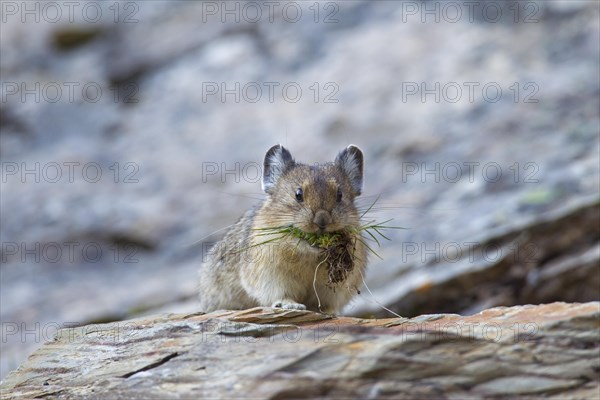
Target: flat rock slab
(526,351)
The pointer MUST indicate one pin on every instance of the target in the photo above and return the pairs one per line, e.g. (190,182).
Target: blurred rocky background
(132,132)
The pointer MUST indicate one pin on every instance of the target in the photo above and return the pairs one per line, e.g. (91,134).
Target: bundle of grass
(337,247)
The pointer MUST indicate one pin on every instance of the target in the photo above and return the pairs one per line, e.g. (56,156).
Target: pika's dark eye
(338,197)
(299,195)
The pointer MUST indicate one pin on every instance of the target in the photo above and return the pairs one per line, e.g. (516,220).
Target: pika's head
(313,198)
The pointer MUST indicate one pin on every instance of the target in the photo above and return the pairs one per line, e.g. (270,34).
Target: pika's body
(256,266)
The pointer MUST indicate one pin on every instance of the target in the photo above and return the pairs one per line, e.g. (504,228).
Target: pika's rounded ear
(350,160)
(277,161)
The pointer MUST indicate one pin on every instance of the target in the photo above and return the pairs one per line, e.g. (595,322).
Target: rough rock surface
(527,351)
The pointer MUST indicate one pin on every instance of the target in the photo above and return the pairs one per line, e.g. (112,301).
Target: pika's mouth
(319,240)
(310,243)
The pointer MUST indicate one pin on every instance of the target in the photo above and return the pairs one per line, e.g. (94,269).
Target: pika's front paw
(288,305)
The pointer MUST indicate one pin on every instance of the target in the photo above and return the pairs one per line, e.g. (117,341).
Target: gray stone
(272,353)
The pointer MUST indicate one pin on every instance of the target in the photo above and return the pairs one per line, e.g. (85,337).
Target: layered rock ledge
(547,350)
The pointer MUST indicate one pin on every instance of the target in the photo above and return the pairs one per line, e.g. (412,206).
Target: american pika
(258,264)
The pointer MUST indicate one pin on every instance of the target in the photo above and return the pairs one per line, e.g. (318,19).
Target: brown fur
(240,272)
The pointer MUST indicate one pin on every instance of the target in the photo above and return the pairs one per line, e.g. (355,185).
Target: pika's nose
(322,219)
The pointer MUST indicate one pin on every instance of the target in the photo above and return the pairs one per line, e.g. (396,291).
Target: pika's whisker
(207,236)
